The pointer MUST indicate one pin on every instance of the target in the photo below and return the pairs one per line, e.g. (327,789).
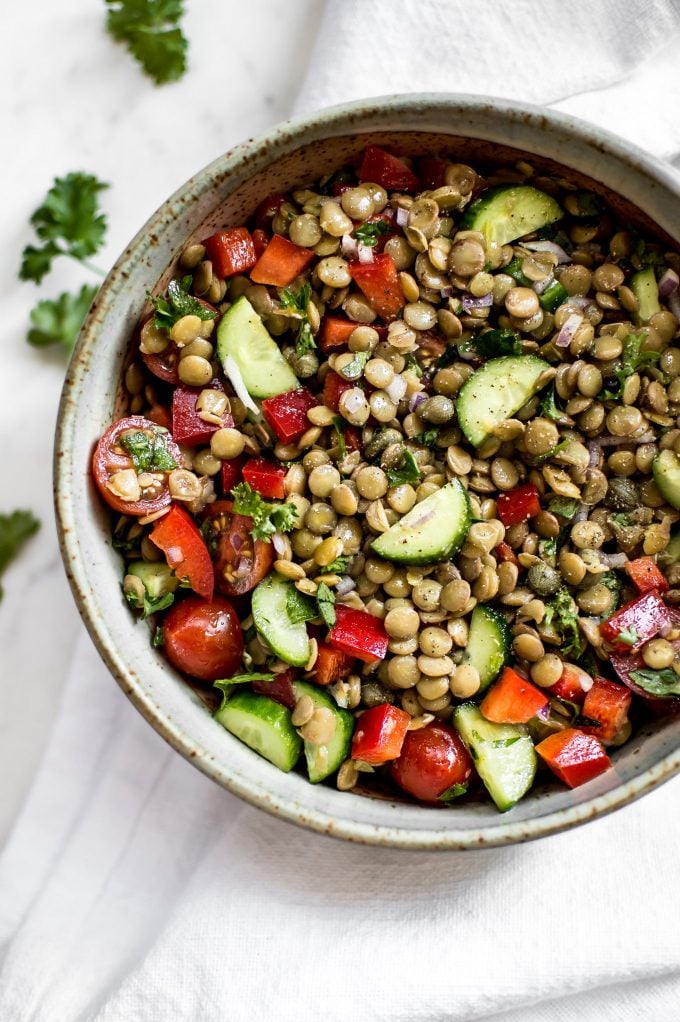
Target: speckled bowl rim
(283,135)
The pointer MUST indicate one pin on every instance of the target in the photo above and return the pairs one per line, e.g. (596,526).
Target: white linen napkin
(134,889)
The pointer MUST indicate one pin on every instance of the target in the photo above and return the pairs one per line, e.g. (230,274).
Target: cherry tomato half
(432,760)
(110,457)
(240,561)
(203,638)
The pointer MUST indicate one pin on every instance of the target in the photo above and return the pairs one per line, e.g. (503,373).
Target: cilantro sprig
(298,302)
(150,30)
(176,303)
(267,517)
(632,360)
(15,529)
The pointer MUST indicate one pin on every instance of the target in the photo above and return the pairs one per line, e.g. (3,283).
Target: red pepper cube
(358,634)
(231,251)
(646,575)
(513,699)
(504,552)
(352,437)
(232,473)
(178,536)
(633,625)
(267,210)
(607,703)
(572,685)
(379,282)
(518,505)
(260,241)
(287,413)
(335,332)
(573,756)
(333,388)
(331,665)
(265,478)
(380,734)
(187,425)
(281,262)
(387,170)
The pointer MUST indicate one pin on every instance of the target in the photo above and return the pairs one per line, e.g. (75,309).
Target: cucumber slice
(488,645)
(503,753)
(264,726)
(289,641)
(157,578)
(496,391)
(671,555)
(508,212)
(243,335)
(645,288)
(430,532)
(666,472)
(324,760)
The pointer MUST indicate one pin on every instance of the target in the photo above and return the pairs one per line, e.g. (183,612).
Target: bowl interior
(226,194)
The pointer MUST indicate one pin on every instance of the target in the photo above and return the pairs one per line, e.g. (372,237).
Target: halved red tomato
(164,363)
(203,638)
(110,457)
(240,561)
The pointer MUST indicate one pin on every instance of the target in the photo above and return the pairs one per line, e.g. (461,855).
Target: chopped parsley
(562,615)
(492,343)
(565,507)
(548,407)
(628,636)
(455,791)
(337,567)
(408,471)
(267,517)
(298,303)
(150,29)
(325,599)
(427,439)
(150,604)
(632,360)
(658,683)
(300,607)
(354,369)
(371,232)
(15,529)
(413,365)
(339,427)
(158,639)
(148,454)
(176,303)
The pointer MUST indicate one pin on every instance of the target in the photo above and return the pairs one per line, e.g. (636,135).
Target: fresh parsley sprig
(370,233)
(58,320)
(298,302)
(15,529)
(632,360)
(148,455)
(151,31)
(267,517)
(176,303)
(408,471)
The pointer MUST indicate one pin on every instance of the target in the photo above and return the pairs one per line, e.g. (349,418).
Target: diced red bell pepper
(607,703)
(572,684)
(287,413)
(281,262)
(268,209)
(231,251)
(504,552)
(331,665)
(573,756)
(333,388)
(513,699)
(633,625)
(280,689)
(379,282)
(187,425)
(335,331)
(380,734)
(432,172)
(518,505)
(352,437)
(178,536)
(265,477)
(358,634)
(232,473)
(646,575)
(387,170)
(260,241)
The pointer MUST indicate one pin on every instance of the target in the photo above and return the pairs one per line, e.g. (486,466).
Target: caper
(543,579)
(622,494)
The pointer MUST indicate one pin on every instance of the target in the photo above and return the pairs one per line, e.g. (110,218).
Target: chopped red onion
(542,285)
(581,514)
(470,302)
(237,542)
(579,301)
(568,329)
(594,450)
(614,560)
(349,246)
(668,284)
(619,441)
(396,389)
(278,542)
(548,246)
(544,712)
(232,370)
(666,630)
(365,253)
(447,292)
(244,566)
(402,216)
(416,400)
(345,585)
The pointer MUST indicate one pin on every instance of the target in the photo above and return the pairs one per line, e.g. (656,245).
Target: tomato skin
(203,638)
(234,542)
(106,461)
(432,760)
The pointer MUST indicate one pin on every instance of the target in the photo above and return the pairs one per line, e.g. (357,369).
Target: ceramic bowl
(226,193)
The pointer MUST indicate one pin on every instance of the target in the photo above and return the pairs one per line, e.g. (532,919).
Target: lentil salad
(430,455)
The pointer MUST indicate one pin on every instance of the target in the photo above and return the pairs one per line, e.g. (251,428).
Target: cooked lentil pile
(400,477)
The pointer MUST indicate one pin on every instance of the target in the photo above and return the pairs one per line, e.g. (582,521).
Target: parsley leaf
(325,599)
(370,233)
(15,529)
(408,472)
(413,365)
(337,567)
(158,638)
(150,30)
(648,256)
(455,791)
(58,320)
(548,407)
(427,439)
(69,222)
(267,518)
(339,427)
(243,679)
(565,507)
(628,636)
(492,343)
(505,743)
(657,683)
(148,455)
(632,360)
(298,303)
(150,604)
(562,615)
(300,607)
(176,303)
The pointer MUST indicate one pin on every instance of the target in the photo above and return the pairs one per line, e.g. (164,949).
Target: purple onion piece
(365,253)
(416,401)
(594,450)
(568,329)
(542,285)
(447,292)
(582,512)
(614,560)
(544,712)
(402,217)
(470,302)
(349,246)
(619,441)
(548,246)
(579,301)
(345,585)
(668,284)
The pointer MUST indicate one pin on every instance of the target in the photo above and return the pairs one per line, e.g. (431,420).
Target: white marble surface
(72,100)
